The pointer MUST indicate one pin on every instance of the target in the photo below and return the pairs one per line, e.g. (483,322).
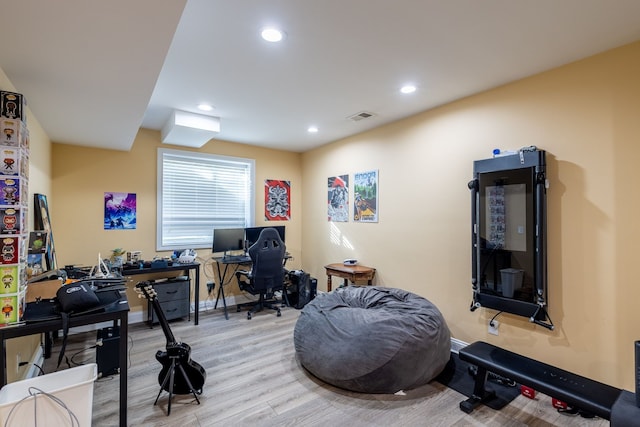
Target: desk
(175,267)
(116,313)
(223,273)
(349,272)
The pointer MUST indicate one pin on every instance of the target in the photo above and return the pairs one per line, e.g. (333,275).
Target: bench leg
(480,392)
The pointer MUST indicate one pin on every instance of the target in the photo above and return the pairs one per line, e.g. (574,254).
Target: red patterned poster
(277,200)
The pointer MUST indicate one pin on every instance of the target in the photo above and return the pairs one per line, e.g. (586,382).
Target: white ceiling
(95,71)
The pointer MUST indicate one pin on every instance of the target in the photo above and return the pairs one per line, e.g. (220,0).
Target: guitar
(175,350)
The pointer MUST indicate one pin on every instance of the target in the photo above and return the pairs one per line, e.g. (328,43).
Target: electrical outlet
(493,327)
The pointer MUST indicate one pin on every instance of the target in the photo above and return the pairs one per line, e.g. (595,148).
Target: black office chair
(267,272)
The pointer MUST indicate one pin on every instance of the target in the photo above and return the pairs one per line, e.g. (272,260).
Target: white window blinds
(199,192)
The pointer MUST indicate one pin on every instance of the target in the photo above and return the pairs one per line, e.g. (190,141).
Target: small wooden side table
(351,273)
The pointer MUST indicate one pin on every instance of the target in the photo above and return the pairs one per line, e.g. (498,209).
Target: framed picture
(277,200)
(365,196)
(120,211)
(42,221)
(338,198)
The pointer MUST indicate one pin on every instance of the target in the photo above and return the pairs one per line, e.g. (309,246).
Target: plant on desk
(116,257)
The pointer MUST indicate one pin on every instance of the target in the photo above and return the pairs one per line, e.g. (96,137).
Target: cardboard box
(12,249)
(10,279)
(13,220)
(14,161)
(10,190)
(12,307)
(13,133)
(13,106)
(43,290)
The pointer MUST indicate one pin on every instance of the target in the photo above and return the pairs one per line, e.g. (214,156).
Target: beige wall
(39,182)
(586,115)
(82,175)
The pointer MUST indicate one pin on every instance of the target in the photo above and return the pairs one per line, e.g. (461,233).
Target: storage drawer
(169,291)
(172,310)
(173,297)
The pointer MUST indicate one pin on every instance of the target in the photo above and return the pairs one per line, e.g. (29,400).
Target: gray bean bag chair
(372,339)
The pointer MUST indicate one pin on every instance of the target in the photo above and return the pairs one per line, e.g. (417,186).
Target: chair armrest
(245,273)
(244,279)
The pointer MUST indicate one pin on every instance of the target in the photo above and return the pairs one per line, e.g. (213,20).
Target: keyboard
(236,259)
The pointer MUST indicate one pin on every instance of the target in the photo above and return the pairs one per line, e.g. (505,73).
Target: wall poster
(120,211)
(365,196)
(338,198)
(277,200)
(42,221)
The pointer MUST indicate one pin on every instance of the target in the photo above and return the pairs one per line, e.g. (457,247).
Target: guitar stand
(169,378)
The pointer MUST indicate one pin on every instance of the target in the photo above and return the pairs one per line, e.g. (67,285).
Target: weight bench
(579,392)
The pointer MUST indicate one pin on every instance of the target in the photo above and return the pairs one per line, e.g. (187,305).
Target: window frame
(205,242)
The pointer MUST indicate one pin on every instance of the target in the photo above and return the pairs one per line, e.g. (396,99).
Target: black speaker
(107,351)
(638,374)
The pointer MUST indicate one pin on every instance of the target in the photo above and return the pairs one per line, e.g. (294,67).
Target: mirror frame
(534,160)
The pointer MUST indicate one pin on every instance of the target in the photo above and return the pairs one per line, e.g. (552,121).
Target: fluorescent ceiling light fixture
(408,89)
(272,34)
(312,129)
(205,107)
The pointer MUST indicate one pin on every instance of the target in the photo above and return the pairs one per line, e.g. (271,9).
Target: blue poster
(119,211)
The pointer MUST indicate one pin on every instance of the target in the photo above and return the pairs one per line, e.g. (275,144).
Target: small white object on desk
(350,261)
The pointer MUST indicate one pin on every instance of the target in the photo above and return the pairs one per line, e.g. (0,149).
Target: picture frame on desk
(42,221)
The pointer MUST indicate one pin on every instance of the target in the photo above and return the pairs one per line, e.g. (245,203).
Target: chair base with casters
(256,306)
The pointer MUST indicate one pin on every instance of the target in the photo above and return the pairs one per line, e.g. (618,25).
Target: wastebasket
(67,392)
(511,280)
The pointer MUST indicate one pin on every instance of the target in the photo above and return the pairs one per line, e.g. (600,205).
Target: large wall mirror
(508,238)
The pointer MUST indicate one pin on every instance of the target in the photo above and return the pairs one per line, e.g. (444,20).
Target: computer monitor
(227,240)
(251,234)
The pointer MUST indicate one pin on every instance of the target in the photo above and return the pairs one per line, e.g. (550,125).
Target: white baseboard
(457,344)
(37,359)
(209,304)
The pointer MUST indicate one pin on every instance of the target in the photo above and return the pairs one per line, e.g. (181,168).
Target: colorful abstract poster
(119,211)
(338,198)
(365,196)
(277,200)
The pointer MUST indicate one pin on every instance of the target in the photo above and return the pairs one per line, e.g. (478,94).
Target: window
(199,192)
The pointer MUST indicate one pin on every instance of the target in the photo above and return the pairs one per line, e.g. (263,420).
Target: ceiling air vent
(360,116)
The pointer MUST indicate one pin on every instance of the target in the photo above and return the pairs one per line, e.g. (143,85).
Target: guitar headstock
(145,290)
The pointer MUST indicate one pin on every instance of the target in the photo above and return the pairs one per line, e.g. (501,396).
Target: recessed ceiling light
(312,129)
(205,107)
(408,89)
(272,34)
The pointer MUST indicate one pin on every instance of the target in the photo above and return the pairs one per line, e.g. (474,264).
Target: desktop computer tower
(107,351)
(303,288)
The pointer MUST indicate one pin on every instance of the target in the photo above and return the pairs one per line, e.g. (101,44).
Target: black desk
(116,313)
(175,267)
(222,274)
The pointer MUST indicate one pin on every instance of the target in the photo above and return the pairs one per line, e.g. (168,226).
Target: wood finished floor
(254,379)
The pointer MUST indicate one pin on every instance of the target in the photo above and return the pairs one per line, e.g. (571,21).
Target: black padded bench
(579,392)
